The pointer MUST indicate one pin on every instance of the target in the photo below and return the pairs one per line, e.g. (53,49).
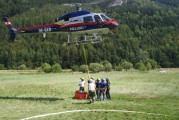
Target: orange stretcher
(81,95)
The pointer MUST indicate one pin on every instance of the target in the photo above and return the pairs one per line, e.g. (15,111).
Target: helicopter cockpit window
(97,18)
(105,18)
(88,19)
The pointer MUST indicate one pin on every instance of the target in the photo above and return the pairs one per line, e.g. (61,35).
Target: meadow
(136,95)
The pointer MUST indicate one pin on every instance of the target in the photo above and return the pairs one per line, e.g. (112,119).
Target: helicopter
(80,22)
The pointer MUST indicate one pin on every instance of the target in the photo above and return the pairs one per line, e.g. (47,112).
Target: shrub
(140,66)
(107,66)
(137,65)
(95,67)
(127,65)
(148,66)
(22,67)
(46,68)
(75,68)
(56,68)
(143,68)
(153,63)
(118,68)
(2,67)
(83,68)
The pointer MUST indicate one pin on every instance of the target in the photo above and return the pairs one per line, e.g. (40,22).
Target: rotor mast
(78,6)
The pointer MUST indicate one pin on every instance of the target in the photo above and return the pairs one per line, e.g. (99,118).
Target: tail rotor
(12,30)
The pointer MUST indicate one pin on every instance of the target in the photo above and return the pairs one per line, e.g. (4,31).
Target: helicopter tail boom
(12,30)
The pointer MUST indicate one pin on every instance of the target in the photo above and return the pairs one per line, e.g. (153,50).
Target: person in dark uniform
(108,96)
(97,88)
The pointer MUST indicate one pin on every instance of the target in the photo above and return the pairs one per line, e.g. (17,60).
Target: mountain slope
(148,31)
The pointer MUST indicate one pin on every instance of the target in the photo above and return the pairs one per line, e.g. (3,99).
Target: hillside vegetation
(148,31)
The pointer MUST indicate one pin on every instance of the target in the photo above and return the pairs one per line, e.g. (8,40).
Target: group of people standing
(99,88)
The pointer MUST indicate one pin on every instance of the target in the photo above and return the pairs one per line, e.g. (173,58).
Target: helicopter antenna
(78,6)
(105,11)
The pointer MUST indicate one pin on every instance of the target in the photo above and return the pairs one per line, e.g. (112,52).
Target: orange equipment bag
(81,95)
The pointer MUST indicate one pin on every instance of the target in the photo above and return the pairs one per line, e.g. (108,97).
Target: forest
(148,31)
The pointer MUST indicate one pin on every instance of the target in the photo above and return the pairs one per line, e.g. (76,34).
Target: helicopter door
(97,18)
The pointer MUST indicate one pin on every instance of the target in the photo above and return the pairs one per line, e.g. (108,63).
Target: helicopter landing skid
(84,40)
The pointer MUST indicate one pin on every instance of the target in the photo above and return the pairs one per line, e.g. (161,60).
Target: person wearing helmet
(102,89)
(108,96)
(82,84)
(97,88)
(92,78)
(91,90)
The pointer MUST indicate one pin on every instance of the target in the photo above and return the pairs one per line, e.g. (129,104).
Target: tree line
(148,34)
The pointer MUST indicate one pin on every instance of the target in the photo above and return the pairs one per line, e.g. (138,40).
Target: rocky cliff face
(111,4)
(117,2)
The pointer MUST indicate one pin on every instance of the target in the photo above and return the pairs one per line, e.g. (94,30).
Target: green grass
(27,93)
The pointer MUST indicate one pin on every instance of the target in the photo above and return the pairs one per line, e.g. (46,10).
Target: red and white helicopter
(80,22)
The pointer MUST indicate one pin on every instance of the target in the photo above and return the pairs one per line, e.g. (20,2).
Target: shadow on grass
(82,101)
(33,98)
(79,103)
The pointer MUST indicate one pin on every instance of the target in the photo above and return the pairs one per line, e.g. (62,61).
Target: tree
(143,55)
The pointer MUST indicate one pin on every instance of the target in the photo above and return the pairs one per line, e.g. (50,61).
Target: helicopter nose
(114,24)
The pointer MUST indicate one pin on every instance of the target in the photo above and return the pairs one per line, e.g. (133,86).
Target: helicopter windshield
(105,18)
(97,18)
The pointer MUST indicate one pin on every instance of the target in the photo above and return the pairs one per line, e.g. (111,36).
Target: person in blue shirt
(102,89)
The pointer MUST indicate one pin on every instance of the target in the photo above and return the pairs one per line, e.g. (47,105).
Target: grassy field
(151,95)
